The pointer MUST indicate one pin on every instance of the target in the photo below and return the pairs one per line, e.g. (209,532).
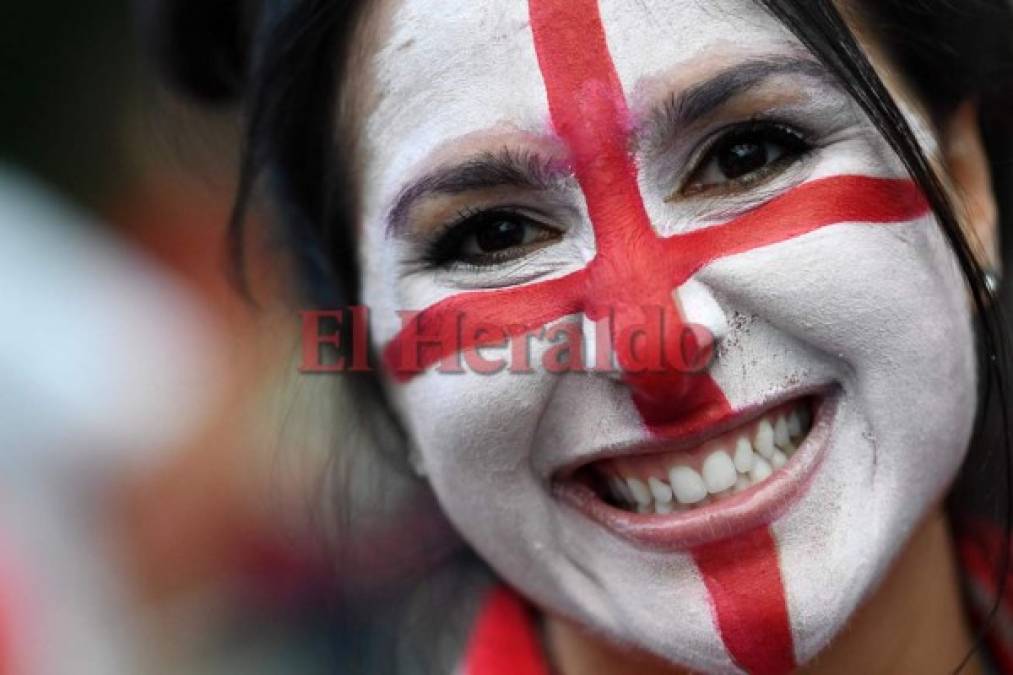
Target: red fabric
(504,640)
(979,546)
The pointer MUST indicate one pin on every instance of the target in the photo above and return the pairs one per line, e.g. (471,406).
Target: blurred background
(167,477)
(156,515)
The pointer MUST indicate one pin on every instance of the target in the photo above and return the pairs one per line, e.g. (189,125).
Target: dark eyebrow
(530,171)
(696,102)
(506,168)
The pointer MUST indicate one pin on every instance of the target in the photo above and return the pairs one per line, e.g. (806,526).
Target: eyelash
(444,249)
(795,142)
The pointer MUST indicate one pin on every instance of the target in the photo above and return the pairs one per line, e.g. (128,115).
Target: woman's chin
(804,547)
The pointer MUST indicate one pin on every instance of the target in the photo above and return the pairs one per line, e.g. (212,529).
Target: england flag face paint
(688,357)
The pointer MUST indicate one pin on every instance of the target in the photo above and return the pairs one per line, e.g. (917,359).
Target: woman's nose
(662,345)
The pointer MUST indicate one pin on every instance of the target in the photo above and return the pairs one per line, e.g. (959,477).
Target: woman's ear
(968,168)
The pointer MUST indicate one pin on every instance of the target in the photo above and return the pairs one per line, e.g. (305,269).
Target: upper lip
(690,433)
(729,517)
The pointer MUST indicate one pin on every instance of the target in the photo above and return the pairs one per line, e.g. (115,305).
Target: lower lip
(756,507)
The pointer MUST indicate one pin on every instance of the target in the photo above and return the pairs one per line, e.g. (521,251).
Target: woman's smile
(745,217)
(738,474)
(745,194)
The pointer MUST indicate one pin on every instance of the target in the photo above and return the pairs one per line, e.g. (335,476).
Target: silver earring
(992,281)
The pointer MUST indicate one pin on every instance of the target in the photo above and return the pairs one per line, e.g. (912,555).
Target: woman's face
(715,357)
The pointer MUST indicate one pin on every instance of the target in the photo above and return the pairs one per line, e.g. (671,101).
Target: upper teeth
(736,462)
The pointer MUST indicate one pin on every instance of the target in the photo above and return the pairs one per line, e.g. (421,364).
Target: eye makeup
(719,167)
(803,248)
(484,237)
(743,156)
(493,241)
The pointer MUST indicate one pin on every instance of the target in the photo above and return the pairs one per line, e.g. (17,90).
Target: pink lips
(756,507)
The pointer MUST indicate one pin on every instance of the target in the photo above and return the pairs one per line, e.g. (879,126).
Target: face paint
(835,285)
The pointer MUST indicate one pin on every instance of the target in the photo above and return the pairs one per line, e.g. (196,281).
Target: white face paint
(866,321)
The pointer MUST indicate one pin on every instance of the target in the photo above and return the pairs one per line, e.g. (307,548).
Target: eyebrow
(528,170)
(688,107)
(505,168)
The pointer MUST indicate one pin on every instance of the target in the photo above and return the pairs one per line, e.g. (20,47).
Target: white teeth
(719,472)
(781,437)
(641,495)
(687,485)
(794,425)
(778,460)
(662,493)
(723,472)
(761,471)
(764,442)
(743,455)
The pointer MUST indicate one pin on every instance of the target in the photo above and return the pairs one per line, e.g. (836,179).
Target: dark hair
(285,61)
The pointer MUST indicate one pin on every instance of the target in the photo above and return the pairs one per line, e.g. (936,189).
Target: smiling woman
(806,186)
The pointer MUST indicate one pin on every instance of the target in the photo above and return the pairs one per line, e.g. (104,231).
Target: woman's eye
(490,238)
(745,156)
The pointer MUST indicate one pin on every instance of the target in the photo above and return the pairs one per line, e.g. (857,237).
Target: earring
(992,281)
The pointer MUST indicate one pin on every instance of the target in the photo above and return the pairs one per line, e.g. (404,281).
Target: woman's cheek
(883,311)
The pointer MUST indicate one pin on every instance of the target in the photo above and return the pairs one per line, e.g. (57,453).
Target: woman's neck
(914,623)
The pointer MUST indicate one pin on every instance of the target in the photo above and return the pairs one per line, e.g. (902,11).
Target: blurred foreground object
(106,364)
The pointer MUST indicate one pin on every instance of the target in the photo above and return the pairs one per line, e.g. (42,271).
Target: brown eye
(497,235)
(746,155)
(491,238)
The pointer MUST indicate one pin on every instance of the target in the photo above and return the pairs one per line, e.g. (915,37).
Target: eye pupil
(742,158)
(499,235)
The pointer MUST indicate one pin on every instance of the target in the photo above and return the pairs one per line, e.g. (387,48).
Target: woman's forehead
(450,76)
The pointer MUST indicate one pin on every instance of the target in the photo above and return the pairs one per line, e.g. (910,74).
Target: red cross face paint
(574,167)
